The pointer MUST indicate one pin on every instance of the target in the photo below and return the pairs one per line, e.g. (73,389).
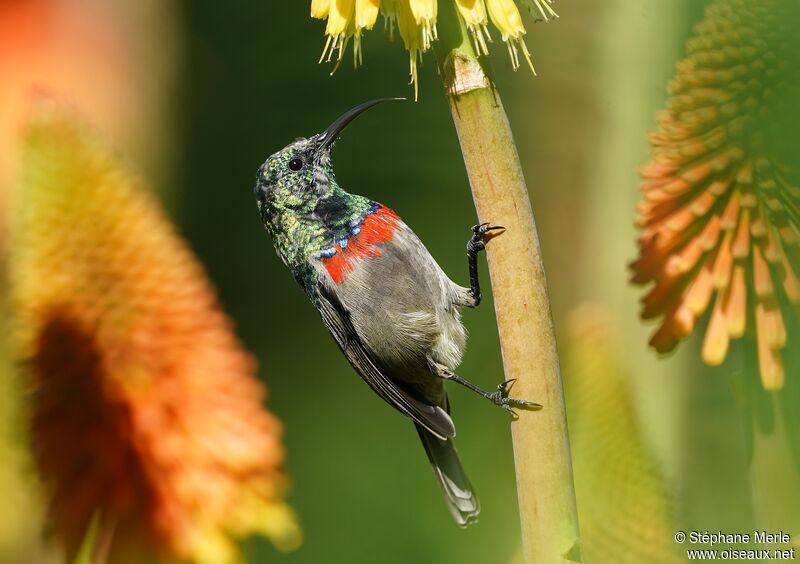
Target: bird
(389,306)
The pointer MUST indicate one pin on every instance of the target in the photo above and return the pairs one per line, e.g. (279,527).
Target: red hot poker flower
(145,408)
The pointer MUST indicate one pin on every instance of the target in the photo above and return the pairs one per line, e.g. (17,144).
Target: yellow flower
(544,8)
(366,15)
(416,22)
(506,17)
(320,9)
(144,405)
(473,12)
(720,214)
(424,12)
(411,34)
(390,10)
(339,29)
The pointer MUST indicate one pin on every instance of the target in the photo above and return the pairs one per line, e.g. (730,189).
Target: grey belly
(402,312)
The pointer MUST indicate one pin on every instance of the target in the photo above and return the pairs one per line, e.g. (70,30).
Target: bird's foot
(500,397)
(480,236)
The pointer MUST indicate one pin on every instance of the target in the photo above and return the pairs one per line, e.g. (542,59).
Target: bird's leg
(476,244)
(500,397)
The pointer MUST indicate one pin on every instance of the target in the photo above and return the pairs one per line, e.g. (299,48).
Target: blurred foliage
(19,530)
(88,550)
(626,508)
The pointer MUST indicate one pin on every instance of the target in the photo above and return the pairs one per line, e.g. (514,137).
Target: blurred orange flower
(72,47)
(144,405)
(720,218)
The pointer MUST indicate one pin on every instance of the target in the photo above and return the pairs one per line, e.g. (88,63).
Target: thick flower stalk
(720,216)
(548,514)
(144,406)
(416,22)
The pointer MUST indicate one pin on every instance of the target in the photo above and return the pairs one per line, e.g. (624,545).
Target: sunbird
(391,309)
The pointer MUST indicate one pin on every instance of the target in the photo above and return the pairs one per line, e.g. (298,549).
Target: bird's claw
(479,237)
(500,397)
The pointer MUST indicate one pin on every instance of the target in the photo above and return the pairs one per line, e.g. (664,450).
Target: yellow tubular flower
(506,17)
(416,20)
(339,29)
(320,9)
(390,11)
(425,12)
(412,39)
(366,15)
(544,8)
(473,12)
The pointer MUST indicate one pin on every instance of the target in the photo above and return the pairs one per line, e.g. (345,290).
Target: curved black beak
(332,133)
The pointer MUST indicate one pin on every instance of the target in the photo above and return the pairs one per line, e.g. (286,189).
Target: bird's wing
(337,319)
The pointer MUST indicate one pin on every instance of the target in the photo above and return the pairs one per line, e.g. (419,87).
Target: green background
(238,81)
(361,483)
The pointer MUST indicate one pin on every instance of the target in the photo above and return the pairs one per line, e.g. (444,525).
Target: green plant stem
(545,490)
(774,479)
(769,421)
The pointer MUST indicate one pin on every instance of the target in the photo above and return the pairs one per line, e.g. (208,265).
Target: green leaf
(89,543)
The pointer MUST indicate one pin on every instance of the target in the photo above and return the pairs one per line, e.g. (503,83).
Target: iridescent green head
(302,207)
(292,180)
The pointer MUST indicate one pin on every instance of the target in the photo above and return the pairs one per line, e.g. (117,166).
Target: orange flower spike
(735,302)
(720,213)
(145,408)
(717,339)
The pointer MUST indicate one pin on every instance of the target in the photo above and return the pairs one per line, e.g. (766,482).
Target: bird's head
(295,178)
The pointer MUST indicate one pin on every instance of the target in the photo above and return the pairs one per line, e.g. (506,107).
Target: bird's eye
(296,164)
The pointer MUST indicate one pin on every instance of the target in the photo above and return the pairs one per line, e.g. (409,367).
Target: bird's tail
(458,493)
